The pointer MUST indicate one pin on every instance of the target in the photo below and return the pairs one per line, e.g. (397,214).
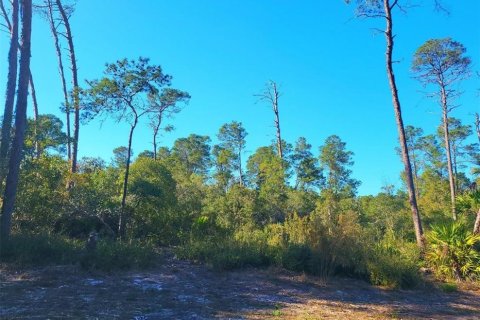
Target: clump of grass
(46,249)
(448,287)
(40,249)
(111,256)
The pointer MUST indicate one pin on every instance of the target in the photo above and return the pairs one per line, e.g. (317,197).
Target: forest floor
(178,289)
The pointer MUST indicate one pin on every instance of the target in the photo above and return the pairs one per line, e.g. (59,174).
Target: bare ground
(179,289)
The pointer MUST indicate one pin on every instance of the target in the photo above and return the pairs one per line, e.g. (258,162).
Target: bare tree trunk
(271,95)
(415,174)
(35,113)
(122,218)
(476,226)
(156,128)
(66,101)
(401,131)
(76,100)
(10,88)
(277,119)
(20,123)
(240,172)
(451,178)
(477,125)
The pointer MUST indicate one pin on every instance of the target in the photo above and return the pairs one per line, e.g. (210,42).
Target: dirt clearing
(182,290)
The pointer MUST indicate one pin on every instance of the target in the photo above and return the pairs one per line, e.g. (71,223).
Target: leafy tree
(232,138)
(124,92)
(307,171)
(146,154)
(266,172)
(193,153)
(45,134)
(91,165)
(120,157)
(335,161)
(432,154)
(223,165)
(164,104)
(153,199)
(41,193)
(442,63)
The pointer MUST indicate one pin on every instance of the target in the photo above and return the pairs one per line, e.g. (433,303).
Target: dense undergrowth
(317,227)
(40,250)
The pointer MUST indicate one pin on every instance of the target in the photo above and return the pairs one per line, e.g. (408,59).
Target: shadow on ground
(183,290)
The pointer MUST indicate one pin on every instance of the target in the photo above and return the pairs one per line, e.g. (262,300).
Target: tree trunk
(76,100)
(35,113)
(277,120)
(156,128)
(10,90)
(240,173)
(401,131)
(122,219)
(476,226)
(477,125)
(451,178)
(20,123)
(66,101)
(415,174)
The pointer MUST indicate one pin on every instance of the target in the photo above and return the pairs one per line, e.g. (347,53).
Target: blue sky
(330,68)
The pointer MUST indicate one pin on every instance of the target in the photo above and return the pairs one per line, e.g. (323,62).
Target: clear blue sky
(330,67)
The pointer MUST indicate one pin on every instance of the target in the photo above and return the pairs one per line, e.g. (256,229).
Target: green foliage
(448,287)
(28,249)
(41,193)
(112,255)
(153,202)
(452,252)
(394,263)
(441,57)
(307,171)
(43,135)
(335,161)
(40,249)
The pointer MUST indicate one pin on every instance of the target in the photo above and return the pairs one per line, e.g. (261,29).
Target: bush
(452,253)
(448,287)
(36,249)
(391,269)
(111,255)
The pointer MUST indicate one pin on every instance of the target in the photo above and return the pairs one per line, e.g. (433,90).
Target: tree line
(195,193)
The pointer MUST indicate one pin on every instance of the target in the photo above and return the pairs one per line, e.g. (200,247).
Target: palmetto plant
(452,253)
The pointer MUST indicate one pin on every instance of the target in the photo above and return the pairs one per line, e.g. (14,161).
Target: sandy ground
(182,290)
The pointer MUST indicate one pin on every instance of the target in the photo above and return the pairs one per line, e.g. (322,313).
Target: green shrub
(448,287)
(36,249)
(451,252)
(393,271)
(111,255)
(394,264)
(40,249)
(226,253)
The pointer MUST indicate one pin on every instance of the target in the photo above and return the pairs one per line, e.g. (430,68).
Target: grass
(448,287)
(46,249)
